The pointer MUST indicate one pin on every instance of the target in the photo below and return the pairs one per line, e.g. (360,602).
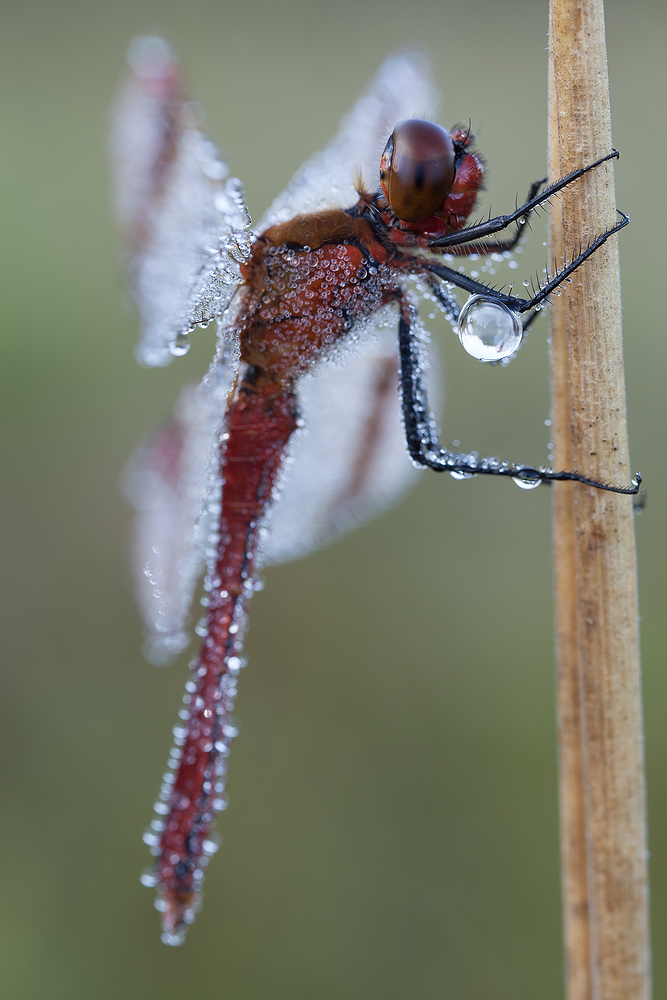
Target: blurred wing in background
(184,226)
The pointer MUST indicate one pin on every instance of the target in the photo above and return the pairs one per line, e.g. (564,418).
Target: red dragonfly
(297,431)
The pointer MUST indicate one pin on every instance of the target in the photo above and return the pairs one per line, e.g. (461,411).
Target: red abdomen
(261,421)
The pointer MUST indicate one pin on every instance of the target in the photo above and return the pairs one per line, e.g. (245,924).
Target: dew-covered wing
(174,484)
(401,89)
(348,460)
(184,223)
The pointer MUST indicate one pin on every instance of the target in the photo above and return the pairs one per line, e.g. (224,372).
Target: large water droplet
(462,475)
(488,330)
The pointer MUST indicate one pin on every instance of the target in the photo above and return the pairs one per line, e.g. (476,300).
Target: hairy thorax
(306,288)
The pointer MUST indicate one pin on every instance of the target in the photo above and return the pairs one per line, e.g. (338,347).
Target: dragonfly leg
(483,229)
(421,430)
(563,273)
(502,246)
(513,302)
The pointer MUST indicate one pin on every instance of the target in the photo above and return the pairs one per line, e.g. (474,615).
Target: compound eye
(417,169)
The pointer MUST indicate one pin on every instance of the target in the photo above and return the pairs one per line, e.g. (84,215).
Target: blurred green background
(393,822)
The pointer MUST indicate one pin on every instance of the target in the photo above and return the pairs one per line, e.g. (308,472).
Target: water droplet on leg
(527,482)
(488,330)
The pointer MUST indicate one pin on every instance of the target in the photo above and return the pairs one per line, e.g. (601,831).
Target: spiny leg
(502,246)
(513,302)
(561,275)
(422,434)
(500,222)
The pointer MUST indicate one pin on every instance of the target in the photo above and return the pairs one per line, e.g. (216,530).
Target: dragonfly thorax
(301,300)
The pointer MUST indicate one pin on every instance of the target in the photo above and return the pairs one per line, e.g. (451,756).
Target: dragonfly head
(417,169)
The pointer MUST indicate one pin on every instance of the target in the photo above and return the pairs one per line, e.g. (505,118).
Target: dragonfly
(298,430)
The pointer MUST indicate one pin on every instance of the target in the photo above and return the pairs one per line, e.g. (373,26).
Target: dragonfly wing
(184,222)
(348,460)
(401,89)
(174,484)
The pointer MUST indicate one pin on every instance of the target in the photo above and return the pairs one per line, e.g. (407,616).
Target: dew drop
(180,345)
(526,482)
(488,330)
(211,845)
(463,475)
(173,939)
